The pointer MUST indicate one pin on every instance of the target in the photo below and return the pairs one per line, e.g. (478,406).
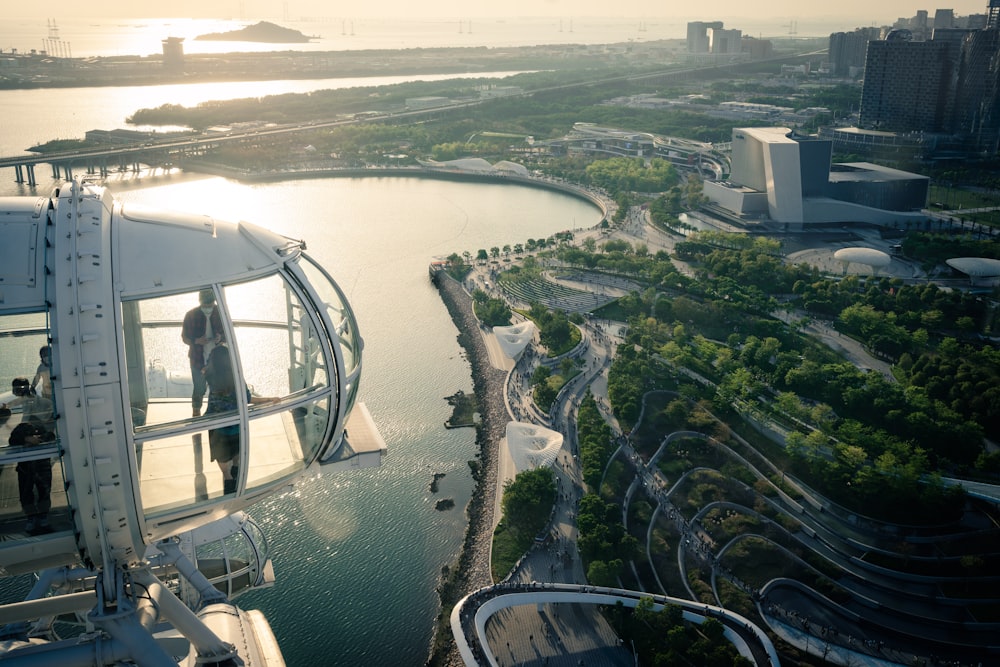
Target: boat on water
(119,489)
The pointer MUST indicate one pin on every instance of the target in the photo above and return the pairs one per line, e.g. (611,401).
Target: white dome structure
(514,339)
(532,446)
(981,270)
(977,267)
(876,259)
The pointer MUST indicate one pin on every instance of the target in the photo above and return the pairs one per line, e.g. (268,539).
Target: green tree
(527,501)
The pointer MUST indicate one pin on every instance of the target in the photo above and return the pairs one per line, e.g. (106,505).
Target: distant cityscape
(929,82)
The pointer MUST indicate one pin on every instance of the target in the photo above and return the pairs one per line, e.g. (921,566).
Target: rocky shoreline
(471,570)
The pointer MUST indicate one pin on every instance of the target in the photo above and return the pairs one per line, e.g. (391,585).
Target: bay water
(92,35)
(358,555)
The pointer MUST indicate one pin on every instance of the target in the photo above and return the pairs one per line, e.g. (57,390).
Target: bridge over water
(123,157)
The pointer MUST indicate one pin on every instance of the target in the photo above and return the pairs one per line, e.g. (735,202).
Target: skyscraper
(724,41)
(697,35)
(847,50)
(944,18)
(977,95)
(993,15)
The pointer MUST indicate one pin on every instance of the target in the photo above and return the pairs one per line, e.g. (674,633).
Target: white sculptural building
(515,338)
(532,446)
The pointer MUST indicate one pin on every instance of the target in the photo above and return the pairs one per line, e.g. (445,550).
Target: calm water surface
(34,116)
(357,556)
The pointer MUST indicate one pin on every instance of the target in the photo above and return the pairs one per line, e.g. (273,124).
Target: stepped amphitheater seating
(554,295)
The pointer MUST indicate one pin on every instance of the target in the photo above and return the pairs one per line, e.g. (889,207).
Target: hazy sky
(865,11)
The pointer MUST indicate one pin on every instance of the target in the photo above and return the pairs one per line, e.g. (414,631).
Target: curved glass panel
(230,564)
(178,470)
(281,352)
(168,341)
(262,360)
(33,497)
(282,443)
(335,304)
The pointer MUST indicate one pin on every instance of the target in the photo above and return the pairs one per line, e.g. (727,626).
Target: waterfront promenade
(581,633)
(567,629)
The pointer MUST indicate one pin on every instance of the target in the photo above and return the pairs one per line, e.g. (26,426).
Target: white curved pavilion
(512,168)
(979,269)
(876,259)
(477,165)
(515,338)
(532,446)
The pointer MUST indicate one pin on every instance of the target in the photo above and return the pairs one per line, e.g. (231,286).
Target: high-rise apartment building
(948,85)
(847,50)
(918,24)
(909,85)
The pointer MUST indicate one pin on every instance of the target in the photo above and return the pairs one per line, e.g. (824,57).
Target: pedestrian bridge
(470,615)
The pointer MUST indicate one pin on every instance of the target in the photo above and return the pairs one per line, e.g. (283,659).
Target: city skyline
(729,10)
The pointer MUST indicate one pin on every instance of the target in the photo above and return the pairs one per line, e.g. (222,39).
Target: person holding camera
(201,332)
(34,477)
(33,408)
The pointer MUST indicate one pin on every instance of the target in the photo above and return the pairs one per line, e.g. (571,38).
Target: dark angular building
(909,85)
(977,95)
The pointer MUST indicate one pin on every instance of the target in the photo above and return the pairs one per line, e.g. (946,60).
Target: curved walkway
(469,617)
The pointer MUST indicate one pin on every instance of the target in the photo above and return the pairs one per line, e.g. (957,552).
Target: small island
(434,482)
(259,32)
(444,504)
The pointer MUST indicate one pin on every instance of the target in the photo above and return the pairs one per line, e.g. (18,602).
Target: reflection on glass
(167,342)
(229,564)
(279,348)
(281,443)
(334,302)
(177,471)
(223,399)
(23,517)
(25,370)
(21,336)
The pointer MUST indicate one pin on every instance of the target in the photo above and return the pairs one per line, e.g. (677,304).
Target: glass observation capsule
(182,368)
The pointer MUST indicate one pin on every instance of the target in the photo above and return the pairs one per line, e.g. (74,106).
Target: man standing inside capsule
(202,331)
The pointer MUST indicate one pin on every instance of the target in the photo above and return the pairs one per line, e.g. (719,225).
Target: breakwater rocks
(471,571)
